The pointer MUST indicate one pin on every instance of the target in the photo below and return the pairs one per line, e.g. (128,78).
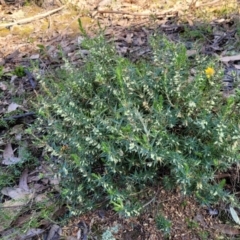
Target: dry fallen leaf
(11,208)
(226,229)
(17,14)
(234,215)
(199,218)
(15,193)
(31,233)
(230,58)
(34,56)
(23,181)
(54,233)
(8,156)
(18,137)
(3,86)
(42,198)
(191,53)
(237,66)
(55,181)
(129,38)
(12,107)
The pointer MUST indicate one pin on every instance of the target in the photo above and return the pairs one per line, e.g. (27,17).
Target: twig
(30,19)
(154,198)
(19,116)
(171,10)
(17,206)
(136,14)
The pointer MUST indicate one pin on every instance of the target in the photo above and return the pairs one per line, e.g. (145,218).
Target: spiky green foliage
(121,122)
(163,224)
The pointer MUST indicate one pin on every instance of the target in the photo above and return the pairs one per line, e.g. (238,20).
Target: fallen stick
(30,19)
(134,14)
(15,117)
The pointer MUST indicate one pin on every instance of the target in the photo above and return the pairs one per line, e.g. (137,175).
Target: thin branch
(136,14)
(146,204)
(19,116)
(30,19)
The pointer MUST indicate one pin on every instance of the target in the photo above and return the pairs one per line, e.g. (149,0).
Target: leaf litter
(12,107)
(129,26)
(8,156)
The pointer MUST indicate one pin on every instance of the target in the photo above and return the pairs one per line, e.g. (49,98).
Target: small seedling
(163,224)
(19,71)
(1,71)
(192,224)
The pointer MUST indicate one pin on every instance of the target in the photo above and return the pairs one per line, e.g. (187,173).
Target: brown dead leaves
(32,188)
(8,156)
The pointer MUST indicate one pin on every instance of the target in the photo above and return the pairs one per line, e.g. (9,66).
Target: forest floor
(33,40)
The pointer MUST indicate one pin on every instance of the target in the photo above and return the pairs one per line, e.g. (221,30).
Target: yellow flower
(209,72)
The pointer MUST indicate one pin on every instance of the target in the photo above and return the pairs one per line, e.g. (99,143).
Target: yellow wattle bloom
(209,72)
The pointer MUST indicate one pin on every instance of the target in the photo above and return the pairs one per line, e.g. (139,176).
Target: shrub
(163,224)
(113,124)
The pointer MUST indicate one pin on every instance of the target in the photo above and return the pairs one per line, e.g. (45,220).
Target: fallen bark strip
(134,14)
(30,19)
(19,116)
